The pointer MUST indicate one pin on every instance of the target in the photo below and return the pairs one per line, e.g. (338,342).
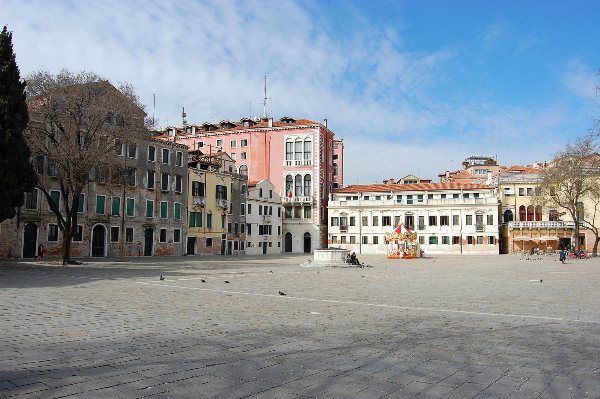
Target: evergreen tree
(16,171)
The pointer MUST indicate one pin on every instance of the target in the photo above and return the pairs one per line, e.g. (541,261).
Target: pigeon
(203,280)
(541,281)
(226,282)
(161,278)
(270,271)
(281,293)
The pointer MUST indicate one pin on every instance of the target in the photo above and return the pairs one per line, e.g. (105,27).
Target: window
(433,240)
(529,191)
(100,202)
(491,240)
(209,223)
(298,150)
(375,221)
(31,199)
(469,220)
(232,144)
(179,158)
(52,232)
(270,193)
(221,192)
(78,237)
(521,192)
(178,183)
(445,240)
(409,199)
(176,235)
(433,220)
(455,240)
(455,195)
(398,199)
(149,208)
(80,203)
(375,240)
(397,220)
(39,164)
(352,221)
(199,145)
(307,212)
(289,151)
(128,234)
(465,195)
(243,156)
(114,234)
(475,195)
(129,207)
(223,221)
(151,153)
(352,239)
(420,198)
(334,239)
(233,156)
(55,198)
(335,169)
(195,219)
(298,186)
(307,150)
(469,239)
(162,237)
(209,242)
(219,142)
(490,219)
(378,198)
(455,220)
(335,221)
(479,240)
(150,179)
(164,182)
(115,207)
(421,240)
(165,156)
(164,209)
(297,212)
(119,147)
(132,151)
(260,212)
(421,224)
(479,221)
(409,221)
(429,196)
(366,197)
(288,212)
(386,221)
(244,143)
(197,189)
(365,240)
(342,239)
(444,221)
(307,185)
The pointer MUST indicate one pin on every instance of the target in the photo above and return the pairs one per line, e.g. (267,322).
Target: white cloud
(581,80)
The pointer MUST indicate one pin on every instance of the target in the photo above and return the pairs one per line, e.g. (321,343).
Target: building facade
(297,156)
(138,211)
(449,218)
(216,204)
(263,219)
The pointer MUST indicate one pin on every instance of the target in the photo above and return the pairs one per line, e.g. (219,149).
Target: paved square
(455,327)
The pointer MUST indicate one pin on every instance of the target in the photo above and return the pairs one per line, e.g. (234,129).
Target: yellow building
(208,202)
(525,225)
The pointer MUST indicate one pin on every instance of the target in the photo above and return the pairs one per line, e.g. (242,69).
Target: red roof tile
(386,188)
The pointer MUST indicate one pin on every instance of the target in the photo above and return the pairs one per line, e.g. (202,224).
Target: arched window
(298,150)
(307,150)
(530,213)
(538,213)
(335,169)
(522,213)
(307,185)
(508,216)
(243,170)
(289,186)
(553,215)
(298,190)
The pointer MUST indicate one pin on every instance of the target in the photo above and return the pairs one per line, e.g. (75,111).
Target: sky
(411,86)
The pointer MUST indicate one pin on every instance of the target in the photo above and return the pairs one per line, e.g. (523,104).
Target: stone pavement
(454,327)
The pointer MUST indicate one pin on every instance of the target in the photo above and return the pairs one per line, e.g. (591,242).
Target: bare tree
(571,180)
(77,122)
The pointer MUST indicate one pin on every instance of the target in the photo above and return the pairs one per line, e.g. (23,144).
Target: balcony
(480,228)
(297,200)
(297,162)
(415,203)
(344,229)
(222,203)
(541,225)
(199,201)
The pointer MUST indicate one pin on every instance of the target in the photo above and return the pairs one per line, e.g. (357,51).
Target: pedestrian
(40,251)
(562,255)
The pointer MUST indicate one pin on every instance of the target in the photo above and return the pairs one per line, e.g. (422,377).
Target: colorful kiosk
(402,243)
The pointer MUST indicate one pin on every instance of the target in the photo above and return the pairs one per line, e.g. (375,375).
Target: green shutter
(116,206)
(100,202)
(149,208)
(130,205)
(55,196)
(81,203)
(192,222)
(199,219)
(177,210)
(164,210)
(209,221)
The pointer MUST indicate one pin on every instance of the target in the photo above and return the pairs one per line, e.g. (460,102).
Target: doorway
(288,242)
(307,243)
(191,245)
(148,241)
(98,241)
(264,247)
(30,240)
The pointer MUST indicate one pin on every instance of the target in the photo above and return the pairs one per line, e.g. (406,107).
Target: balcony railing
(197,200)
(415,203)
(298,162)
(344,229)
(479,228)
(303,199)
(222,203)
(541,225)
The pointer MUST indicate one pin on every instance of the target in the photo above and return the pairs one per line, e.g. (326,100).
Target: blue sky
(411,86)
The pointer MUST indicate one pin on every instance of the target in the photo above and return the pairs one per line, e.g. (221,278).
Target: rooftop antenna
(250,110)
(265,100)
(153,108)
(183,115)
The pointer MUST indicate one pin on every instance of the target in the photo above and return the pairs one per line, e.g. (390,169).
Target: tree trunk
(66,249)
(595,249)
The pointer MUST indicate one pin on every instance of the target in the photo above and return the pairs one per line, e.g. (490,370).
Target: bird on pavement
(270,271)
(226,282)
(161,278)
(281,293)
(203,280)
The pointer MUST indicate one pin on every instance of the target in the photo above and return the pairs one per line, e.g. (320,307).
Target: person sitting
(354,259)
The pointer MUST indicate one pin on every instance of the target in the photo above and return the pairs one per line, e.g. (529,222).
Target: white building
(263,219)
(449,218)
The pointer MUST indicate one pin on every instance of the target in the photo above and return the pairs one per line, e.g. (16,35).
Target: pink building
(298,156)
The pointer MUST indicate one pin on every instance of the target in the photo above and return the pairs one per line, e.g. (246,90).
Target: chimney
(172,132)
(325,122)
(447,174)
(193,130)
(270,122)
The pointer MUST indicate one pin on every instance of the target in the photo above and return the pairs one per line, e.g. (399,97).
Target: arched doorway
(98,241)
(29,240)
(307,243)
(148,241)
(508,216)
(288,242)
